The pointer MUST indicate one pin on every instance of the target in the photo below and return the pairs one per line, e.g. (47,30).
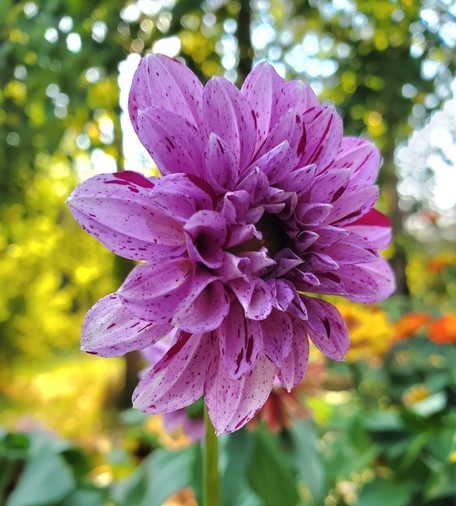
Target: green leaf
(86,498)
(236,449)
(381,492)
(308,461)
(132,489)
(167,473)
(46,479)
(270,472)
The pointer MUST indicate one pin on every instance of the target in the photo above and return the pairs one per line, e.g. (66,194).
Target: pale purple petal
(354,203)
(294,366)
(361,157)
(154,292)
(324,134)
(375,227)
(222,171)
(277,336)
(326,328)
(330,186)
(206,312)
(231,403)
(160,81)
(269,97)
(174,143)
(110,330)
(384,277)
(240,342)
(178,378)
(228,114)
(303,96)
(206,234)
(118,211)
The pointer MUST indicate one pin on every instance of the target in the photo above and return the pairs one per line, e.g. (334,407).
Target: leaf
(270,472)
(167,473)
(308,461)
(236,448)
(46,479)
(381,492)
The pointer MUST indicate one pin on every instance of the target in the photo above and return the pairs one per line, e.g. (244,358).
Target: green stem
(211,495)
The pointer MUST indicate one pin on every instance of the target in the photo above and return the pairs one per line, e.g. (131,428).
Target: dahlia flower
(262,204)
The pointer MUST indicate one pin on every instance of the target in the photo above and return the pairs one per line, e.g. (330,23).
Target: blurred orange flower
(441,261)
(409,324)
(443,330)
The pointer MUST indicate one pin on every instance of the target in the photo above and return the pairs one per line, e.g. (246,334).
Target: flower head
(262,202)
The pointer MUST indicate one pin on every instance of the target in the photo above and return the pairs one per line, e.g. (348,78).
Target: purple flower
(262,203)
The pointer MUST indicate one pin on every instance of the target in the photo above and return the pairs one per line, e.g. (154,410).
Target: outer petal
(324,134)
(174,143)
(269,97)
(277,336)
(326,328)
(117,209)
(375,227)
(294,366)
(384,277)
(231,403)
(154,292)
(361,157)
(241,341)
(303,96)
(178,378)
(161,81)
(229,115)
(354,204)
(109,330)
(206,312)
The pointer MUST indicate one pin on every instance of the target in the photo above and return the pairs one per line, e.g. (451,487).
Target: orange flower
(443,330)
(441,261)
(409,324)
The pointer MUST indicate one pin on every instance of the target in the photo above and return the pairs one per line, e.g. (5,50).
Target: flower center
(274,237)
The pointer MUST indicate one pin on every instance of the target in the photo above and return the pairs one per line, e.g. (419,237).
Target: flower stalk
(211,478)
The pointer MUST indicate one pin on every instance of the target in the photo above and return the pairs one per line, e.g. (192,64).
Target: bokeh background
(378,429)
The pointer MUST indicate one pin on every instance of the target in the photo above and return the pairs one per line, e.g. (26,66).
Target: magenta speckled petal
(175,144)
(178,378)
(118,211)
(240,342)
(110,330)
(163,82)
(231,403)
(229,115)
(326,328)
(262,208)
(293,367)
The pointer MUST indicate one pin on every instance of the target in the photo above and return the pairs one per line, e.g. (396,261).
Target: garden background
(377,429)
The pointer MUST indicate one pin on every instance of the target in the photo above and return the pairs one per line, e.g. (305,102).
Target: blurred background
(378,429)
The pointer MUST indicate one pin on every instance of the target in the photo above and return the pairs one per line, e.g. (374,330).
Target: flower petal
(361,157)
(117,209)
(241,342)
(154,292)
(269,96)
(324,134)
(206,233)
(162,81)
(294,366)
(174,143)
(384,277)
(178,378)
(326,328)
(206,312)
(231,403)
(375,227)
(222,171)
(228,114)
(354,204)
(277,336)
(110,330)
(303,96)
